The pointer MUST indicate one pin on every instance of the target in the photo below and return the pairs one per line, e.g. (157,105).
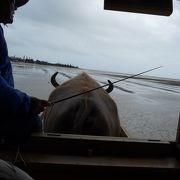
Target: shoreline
(161,80)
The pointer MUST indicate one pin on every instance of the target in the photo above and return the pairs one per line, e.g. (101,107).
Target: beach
(148,107)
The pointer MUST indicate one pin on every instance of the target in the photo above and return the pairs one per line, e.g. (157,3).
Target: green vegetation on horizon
(29,60)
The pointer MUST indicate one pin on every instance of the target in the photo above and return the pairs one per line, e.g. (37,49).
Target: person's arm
(13,100)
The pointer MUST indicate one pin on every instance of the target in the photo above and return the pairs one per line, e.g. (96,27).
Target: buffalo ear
(110,88)
(53,80)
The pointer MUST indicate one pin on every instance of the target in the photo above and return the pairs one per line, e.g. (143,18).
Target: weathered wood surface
(55,156)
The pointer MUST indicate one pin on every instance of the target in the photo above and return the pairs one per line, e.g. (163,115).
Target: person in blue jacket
(18,111)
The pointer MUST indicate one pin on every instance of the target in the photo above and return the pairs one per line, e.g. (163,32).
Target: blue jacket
(14,104)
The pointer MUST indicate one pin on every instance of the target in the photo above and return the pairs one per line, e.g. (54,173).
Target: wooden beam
(155,7)
(65,156)
(178,135)
(67,144)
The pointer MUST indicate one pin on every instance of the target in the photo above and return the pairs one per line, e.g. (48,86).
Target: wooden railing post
(178,135)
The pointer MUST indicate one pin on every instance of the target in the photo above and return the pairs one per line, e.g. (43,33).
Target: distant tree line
(29,60)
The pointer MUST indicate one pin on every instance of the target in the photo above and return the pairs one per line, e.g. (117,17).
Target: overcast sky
(82,33)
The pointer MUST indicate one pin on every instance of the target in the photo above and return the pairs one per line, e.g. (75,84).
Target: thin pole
(63,99)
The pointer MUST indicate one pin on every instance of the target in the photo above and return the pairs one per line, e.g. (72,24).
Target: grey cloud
(81,32)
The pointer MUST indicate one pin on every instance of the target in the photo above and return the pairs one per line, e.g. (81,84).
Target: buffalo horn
(110,88)
(53,80)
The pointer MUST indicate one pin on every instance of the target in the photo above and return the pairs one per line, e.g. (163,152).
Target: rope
(18,154)
(47,114)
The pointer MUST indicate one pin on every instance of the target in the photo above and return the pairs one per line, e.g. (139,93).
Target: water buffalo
(93,113)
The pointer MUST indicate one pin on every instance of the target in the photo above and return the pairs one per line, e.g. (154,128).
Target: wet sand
(148,107)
